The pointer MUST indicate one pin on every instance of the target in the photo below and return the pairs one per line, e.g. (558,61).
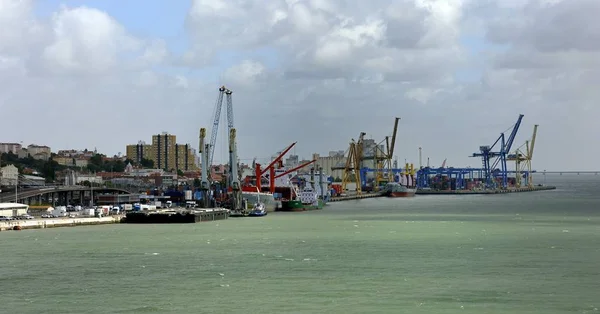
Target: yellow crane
(523,160)
(383,159)
(353,164)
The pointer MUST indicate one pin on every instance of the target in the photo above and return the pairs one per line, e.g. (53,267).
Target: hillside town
(162,164)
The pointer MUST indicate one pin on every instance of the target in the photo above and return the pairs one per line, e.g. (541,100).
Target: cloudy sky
(106,73)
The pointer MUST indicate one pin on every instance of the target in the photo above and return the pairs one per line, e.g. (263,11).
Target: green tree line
(46,168)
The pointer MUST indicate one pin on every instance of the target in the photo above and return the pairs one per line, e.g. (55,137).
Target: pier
(490,191)
(355,197)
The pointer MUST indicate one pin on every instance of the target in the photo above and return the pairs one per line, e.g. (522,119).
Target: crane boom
(532,144)
(391,150)
(295,168)
(215,128)
(224,92)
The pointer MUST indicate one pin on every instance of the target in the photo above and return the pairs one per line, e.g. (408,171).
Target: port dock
(355,197)
(57,222)
(495,191)
(176,216)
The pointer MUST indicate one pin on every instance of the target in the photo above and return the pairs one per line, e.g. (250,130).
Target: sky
(102,74)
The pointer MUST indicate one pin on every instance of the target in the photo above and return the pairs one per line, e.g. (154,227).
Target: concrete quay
(355,197)
(496,191)
(57,222)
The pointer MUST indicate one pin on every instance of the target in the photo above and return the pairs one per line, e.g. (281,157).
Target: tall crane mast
(204,169)
(224,92)
(236,198)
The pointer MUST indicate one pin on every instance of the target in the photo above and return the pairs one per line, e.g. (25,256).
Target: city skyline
(457,72)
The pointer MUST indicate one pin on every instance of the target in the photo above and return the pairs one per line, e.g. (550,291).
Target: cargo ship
(307,199)
(406,185)
(395,189)
(273,180)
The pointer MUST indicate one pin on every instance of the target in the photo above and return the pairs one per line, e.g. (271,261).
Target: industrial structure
(211,191)
(494,173)
(491,158)
(522,161)
(372,166)
(269,172)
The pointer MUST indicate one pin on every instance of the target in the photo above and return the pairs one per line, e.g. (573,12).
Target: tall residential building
(41,152)
(165,153)
(10,147)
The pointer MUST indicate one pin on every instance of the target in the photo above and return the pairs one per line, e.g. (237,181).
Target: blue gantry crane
(491,158)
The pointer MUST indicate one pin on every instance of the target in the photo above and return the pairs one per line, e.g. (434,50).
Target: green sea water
(515,253)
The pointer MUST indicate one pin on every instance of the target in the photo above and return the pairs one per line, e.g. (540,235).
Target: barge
(176,216)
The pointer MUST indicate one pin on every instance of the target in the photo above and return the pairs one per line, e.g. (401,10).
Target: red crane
(260,172)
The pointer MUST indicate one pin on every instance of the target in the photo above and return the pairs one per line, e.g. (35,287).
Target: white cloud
(458,72)
(85,40)
(245,73)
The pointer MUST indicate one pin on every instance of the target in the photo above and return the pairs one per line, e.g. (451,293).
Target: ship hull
(409,193)
(298,206)
(398,190)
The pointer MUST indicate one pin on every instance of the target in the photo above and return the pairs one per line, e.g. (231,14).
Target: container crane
(492,159)
(523,160)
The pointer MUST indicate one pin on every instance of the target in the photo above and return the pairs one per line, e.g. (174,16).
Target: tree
(147,163)
(114,166)
(49,169)
(180,172)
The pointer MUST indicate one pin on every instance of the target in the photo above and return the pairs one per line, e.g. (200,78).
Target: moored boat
(395,189)
(308,199)
(405,185)
(265,198)
(258,210)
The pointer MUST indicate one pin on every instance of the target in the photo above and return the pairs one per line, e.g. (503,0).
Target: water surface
(513,253)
